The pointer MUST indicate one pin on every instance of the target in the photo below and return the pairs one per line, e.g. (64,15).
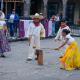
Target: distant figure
(13,21)
(57,24)
(57,18)
(53,25)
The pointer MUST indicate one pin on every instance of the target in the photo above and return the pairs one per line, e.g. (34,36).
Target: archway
(13,4)
(36,6)
(70,11)
(54,7)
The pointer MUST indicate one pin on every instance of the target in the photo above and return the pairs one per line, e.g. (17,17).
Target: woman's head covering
(36,16)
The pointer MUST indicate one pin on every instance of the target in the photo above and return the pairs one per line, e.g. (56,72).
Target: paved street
(15,66)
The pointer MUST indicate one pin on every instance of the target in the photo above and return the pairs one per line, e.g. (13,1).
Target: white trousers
(35,42)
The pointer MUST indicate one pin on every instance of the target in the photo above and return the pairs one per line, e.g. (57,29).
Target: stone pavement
(15,66)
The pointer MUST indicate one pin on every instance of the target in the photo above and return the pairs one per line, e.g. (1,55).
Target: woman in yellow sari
(71,58)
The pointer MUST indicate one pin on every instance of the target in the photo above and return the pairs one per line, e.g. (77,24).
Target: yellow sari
(71,58)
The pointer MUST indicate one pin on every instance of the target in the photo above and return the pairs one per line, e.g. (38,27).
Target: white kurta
(34,32)
(70,39)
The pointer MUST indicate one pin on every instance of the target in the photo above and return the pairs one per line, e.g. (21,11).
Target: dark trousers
(13,29)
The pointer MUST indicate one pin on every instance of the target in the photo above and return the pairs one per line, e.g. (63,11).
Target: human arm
(63,44)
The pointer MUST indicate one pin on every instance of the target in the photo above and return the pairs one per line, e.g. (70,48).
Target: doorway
(52,9)
(70,12)
(36,6)
(9,6)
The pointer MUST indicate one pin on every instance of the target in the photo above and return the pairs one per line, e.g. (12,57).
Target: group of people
(13,22)
(51,25)
(71,57)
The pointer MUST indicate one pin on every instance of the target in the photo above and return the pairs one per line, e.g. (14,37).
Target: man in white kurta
(34,33)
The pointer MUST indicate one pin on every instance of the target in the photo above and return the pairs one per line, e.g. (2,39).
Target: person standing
(13,21)
(35,31)
(53,25)
(4,45)
(50,28)
(57,24)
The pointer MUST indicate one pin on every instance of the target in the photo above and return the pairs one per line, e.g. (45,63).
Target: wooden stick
(48,48)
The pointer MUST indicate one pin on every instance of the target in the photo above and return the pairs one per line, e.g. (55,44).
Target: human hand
(57,49)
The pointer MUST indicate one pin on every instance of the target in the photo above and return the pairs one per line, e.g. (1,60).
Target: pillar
(26,8)
(64,8)
(45,7)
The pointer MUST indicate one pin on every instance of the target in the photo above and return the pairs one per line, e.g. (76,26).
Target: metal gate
(75,30)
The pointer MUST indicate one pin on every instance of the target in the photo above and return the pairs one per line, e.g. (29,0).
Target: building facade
(18,5)
(69,8)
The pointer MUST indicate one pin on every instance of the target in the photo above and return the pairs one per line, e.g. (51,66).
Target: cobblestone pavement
(15,66)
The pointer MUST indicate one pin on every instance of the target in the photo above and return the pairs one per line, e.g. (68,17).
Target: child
(63,26)
(71,58)
(35,31)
